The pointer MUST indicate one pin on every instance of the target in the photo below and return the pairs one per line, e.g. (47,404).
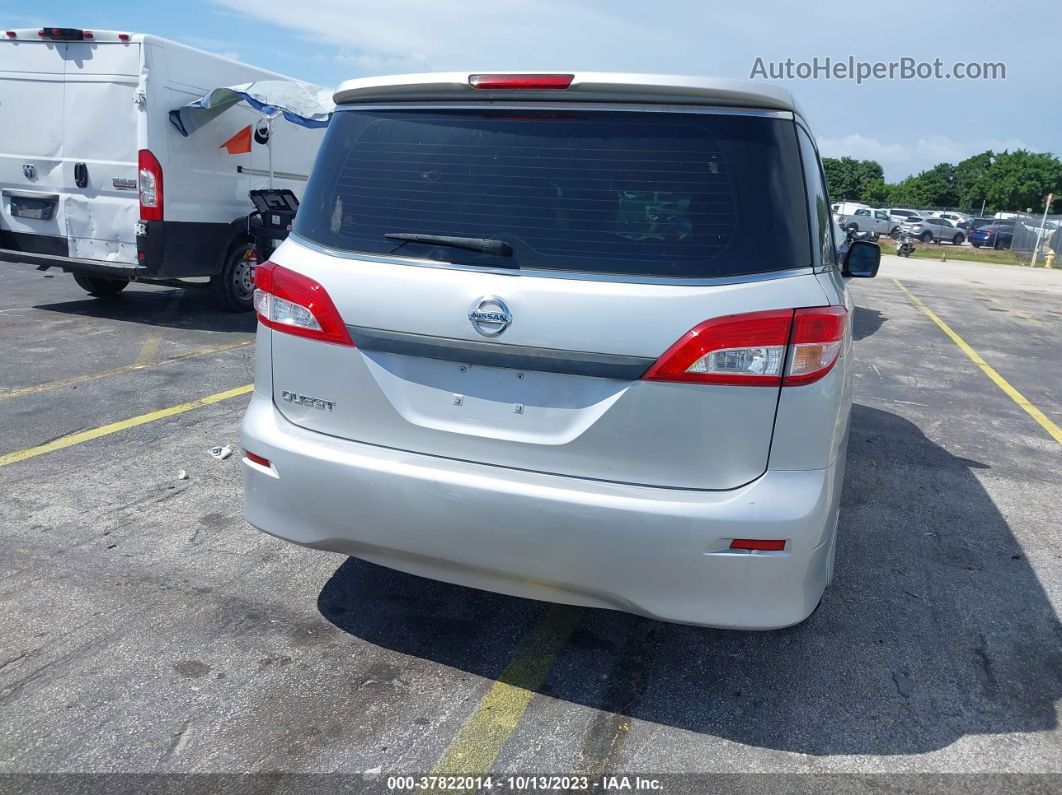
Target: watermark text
(851,68)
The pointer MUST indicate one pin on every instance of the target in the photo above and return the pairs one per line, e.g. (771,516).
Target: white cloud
(450,34)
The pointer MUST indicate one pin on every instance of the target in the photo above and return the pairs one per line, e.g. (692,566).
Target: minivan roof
(584,87)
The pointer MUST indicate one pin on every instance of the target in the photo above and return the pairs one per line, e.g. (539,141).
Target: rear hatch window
(657,194)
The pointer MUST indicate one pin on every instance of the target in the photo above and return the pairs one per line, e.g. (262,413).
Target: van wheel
(234,286)
(100,287)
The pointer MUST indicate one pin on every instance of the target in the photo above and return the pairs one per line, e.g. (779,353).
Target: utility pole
(1040,234)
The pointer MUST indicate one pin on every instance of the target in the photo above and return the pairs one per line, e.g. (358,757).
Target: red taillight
(290,302)
(816,343)
(123,37)
(87,35)
(783,346)
(11,34)
(257,459)
(760,545)
(521,82)
(149,182)
(741,350)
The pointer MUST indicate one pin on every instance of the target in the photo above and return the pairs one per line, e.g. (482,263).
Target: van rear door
(626,230)
(69,172)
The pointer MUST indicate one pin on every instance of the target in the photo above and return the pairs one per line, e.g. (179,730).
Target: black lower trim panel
(493,354)
(29,243)
(173,249)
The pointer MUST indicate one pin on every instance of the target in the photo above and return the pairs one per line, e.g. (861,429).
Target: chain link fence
(1030,238)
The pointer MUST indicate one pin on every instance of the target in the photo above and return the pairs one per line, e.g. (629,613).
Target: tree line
(1004,181)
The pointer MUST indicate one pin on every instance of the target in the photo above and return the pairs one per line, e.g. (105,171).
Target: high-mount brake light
(774,348)
(295,304)
(63,34)
(149,183)
(521,82)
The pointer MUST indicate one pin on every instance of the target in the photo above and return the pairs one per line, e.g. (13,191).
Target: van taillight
(295,304)
(149,181)
(784,346)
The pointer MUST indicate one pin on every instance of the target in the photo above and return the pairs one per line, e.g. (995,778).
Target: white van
(848,208)
(97,181)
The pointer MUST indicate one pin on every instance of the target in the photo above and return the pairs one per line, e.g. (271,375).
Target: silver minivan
(582,338)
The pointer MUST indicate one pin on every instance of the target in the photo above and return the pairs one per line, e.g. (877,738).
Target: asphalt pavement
(145,627)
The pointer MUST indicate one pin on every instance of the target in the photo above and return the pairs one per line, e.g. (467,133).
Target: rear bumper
(89,267)
(656,552)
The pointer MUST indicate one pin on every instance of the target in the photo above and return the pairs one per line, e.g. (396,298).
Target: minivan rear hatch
(623,229)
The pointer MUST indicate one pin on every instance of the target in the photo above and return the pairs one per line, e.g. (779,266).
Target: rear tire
(895,233)
(234,286)
(927,237)
(976,245)
(99,286)
(958,240)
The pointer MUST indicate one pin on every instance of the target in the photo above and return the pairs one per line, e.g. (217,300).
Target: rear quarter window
(649,194)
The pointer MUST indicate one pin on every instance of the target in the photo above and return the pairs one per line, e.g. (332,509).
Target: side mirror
(862,259)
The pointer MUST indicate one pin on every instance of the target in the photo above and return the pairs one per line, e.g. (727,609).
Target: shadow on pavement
(866,322)
(194,309)
(935,627)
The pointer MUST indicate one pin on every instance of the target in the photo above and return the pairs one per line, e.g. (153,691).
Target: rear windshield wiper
(498,248)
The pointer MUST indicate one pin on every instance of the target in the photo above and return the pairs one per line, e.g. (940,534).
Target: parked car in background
(933,230)
(999,234)
(900,214)
(865,219)
(847,208)
(452,361)
(961,220)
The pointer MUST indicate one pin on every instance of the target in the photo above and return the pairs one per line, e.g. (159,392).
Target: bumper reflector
(760,545)
(256,459)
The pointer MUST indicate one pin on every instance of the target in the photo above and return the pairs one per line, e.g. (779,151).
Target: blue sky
(906,125)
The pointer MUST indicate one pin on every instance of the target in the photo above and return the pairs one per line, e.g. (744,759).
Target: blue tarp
(300,103)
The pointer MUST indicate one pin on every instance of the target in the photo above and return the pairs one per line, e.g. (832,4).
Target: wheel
(99,286)
(234,286)
(926,237)
(957,240)
(996,245)
(976,245)
(877,236)
(894,233)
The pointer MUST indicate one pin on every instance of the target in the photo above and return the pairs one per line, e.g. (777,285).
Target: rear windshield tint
(655,194)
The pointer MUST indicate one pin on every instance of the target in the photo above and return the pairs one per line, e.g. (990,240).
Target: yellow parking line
(997,379)
(476,746)
(154,338)
(121,425)
(80,379)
